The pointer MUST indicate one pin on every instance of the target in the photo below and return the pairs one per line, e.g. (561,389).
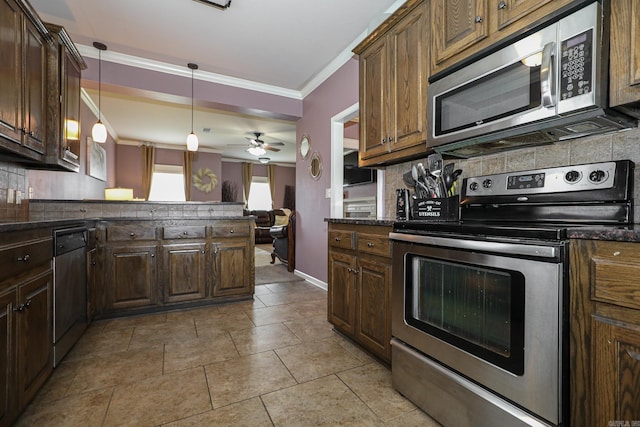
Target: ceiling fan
(255,144)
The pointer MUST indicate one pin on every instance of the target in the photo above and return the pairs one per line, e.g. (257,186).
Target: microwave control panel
(576,56)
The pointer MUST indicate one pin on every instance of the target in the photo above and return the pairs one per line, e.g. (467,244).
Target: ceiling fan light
(264,160)
(192,142)
(99,132)
(256,151)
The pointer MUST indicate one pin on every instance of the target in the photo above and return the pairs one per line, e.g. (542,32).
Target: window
(259,194)
(167,184)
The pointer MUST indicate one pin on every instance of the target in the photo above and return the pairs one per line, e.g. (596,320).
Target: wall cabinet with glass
(393,87)
(23,89)
(65,68)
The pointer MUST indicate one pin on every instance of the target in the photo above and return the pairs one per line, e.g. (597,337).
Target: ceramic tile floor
(273,361)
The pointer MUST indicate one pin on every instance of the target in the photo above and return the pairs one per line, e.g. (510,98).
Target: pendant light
(192,139)
(99,131)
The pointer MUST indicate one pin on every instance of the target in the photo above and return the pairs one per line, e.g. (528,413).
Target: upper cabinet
(39,90)
(624,72)
(65,68)
(461,28)
(23,67)
(393,87)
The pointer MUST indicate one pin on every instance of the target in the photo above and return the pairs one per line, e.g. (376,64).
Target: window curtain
(148,160)
(247,175)
(271,176)
(187,170)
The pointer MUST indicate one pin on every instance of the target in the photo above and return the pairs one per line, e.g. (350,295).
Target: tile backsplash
(624,145)
(14,188)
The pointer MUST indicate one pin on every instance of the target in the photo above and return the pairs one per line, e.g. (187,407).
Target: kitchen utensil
(408,179)
(434,163)
(421,188)
(447,177)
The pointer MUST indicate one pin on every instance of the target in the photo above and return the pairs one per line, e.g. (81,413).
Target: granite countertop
(595,232)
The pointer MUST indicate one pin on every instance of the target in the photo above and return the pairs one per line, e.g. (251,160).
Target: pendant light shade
(99,131)
(192,138)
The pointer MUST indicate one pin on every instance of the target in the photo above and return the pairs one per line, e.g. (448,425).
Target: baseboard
(312,280)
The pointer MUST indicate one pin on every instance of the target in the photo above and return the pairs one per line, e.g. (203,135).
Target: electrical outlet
(11,196)
(327,193)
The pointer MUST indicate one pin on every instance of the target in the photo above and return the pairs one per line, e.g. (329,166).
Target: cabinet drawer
(21,258)
(236,230)
(184,232)
(130,233)
(341,239)
(374,244)
(615,270)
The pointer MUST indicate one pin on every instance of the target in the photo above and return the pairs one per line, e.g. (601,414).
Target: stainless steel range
(480,306)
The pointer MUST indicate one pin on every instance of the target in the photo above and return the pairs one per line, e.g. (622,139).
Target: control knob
(473,186)
(597,176)
(487,183)
(572,176)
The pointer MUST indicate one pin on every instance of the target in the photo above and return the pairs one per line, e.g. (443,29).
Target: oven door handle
(479,245)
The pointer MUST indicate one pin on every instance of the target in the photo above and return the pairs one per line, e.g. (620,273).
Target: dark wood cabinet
(461,28)
(624,69)
(26,319)
(341,302)
(184,271)
(393,87)
(23,89)
(359,285)
(65,65)
(131,276)
(8,395)
(605,332)
(198,261)
(34,335)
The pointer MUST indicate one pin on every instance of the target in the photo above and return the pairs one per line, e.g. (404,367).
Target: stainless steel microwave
(548,86)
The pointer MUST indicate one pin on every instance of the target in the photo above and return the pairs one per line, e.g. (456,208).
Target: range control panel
(594,176)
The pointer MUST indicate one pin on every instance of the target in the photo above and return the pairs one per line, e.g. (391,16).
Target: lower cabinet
(131,275)
(153,265)
(359,288)
(605,333)
(26,333)
(184,271)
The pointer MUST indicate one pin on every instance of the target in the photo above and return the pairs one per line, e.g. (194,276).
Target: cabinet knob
(185,233)
(19,309)
(203,251)
(132,234)
(502,5)
(27,304)
(384,140)
(355,271)
(349,269)
(337,239)
(478,19)
(370,245)
(390,139)
(232,231)
(25,258)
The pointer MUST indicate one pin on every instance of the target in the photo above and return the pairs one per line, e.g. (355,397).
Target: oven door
(491,311)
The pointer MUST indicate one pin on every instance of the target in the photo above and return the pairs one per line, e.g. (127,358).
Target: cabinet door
(34,336)
(10,70)
(616,370)
(184,271)
(373,323)
(131,277)
(341,294)
(509,11)
(232,275)
(374,99)
(70,107)
(408,70)
(7,358)
(456,25)
(624,72)
(34,89)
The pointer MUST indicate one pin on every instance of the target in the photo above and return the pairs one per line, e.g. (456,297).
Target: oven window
(478,309)
(508,91)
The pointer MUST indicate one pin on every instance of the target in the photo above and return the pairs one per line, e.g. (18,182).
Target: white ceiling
(288,45)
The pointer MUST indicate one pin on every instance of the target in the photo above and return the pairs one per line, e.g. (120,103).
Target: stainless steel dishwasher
(69,289)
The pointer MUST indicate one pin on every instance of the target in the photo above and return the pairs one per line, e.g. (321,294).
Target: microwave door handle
(546,75)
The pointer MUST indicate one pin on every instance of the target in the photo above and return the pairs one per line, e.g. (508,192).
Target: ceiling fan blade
(268,147)
(279,144)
